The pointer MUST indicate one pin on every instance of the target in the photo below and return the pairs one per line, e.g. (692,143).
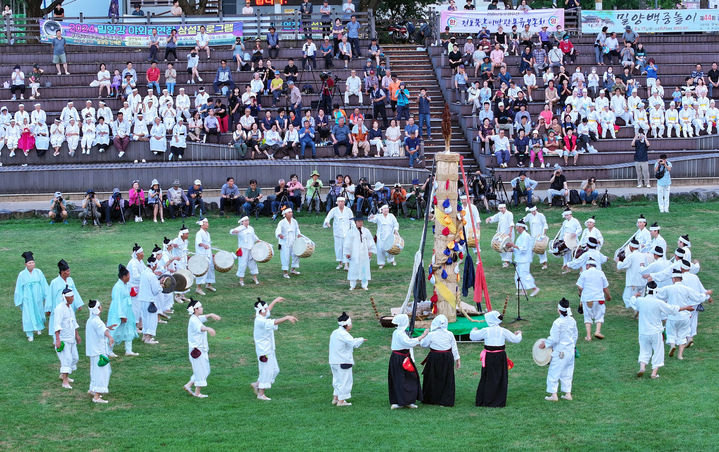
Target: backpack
(604,202)
(574,197)
(307,89)
(557,201)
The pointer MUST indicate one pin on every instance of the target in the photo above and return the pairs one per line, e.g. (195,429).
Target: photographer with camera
(195,195)
(363,196)
(90,209)
(523,186)
(295,187)
(336,190)
(558,186)
(253,199)
(230,198)
(58,209)
(399,199)
(641,158)
(381,194)
(154,199)
(177,200)
(115,207)
(314,185)
(664,180)
(281,198)
(322,127)
(480,189)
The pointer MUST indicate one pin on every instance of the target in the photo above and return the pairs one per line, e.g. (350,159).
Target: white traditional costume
(135,267)
(341,358)
(523,259)
(679,324)
(342,223)
(149,293)
(264,336)
(197,339)
(203,237)
(505,225)
(632,264)
(651,313)
(358,245)
(66,324)
(54,295)
(289,230)
(570,227)
(537,223)
(387,227)
(95,348)
(593,281)
(563,340)
(246,238)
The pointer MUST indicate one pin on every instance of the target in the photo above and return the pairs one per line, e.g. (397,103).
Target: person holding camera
(523,186)
(641,158)
(58,209)
(335,192)
(589,193)
(314,185)
(115,207)
(154,199)
(177,200)
(662,171)
(399,199)
(253,199)
(480,189)
(363,196)
(91,209)
(558,186)
(295,188)
(230,198)
(280,199)
(137,199)
(195,198)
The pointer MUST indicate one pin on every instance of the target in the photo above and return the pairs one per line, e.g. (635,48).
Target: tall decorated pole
(448,237)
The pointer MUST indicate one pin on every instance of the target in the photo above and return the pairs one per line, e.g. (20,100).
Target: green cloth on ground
(461,326)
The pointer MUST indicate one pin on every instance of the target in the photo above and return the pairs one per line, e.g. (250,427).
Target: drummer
(475,216)
(342,217)
(591,231)
(505,225)
(537,223)
(286,232)
(165,266)
(179,255)
(570,229)
(522,250)
(563,340)
(633,263)
(358,248)
(246,238)
(387,227)
(203,247)
(642,235)
(657,239)
(593,293)
(592,252)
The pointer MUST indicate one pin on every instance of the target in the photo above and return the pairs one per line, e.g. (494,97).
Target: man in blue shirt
(223,77)
(423,101)
(58,52)
(523,186)
(411,130)
(230,198)
(307,138)
(195,195)
(273,43)
(340,136)
(460,84)
(212,128)
(412,148)
(353,36)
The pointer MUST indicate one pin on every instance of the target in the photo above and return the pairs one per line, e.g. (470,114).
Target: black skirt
(438,372)
(404,387)
(492,389)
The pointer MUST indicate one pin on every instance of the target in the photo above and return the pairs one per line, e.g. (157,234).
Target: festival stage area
(612,409)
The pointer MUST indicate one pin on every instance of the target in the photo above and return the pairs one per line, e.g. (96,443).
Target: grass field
(612,410)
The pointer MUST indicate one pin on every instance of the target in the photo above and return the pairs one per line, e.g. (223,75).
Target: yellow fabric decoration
(446,294)
(450,245)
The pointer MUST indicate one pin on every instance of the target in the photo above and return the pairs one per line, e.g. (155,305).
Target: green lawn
(612,410)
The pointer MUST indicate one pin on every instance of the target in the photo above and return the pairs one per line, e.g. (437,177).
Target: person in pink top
(137,200)
(497,57)
(547,114)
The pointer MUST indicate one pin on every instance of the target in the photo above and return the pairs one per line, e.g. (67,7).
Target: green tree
(194,8)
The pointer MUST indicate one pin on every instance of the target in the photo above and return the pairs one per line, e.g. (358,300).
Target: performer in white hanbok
(139,129)
(148,298)
(505,225)
(642,235)
(88,135)
(199,349)
(651,313)
(54,293)
(42,137)
(341,218)
(102,134)
(689,279)
(641,120)
(136,266)
(246,238)
(656,238)
(633,263)
(165,267)
(264,337)
(121,314)
(66,338)
(203,247)
(31,291)
(593,292)
(671,118)
(69,112)
(522,250)
(607,118)
(402,377)
(387,227)
(712,117)
(13,132)
(287,231)
(570,228)
(679,324)
(686,116)
(658,266)
(591,231)
(475,215)
(358,249)
(57,136)
(98,342)
(72,136)
(563,340)
(685,245)
(656,119)
(592,252)
(341,360)
(158,140)
(538,227)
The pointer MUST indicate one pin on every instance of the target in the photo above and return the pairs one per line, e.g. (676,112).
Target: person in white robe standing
(651,313)
(341,360)
(678,324)
(358,249)
(121,313)
(31,291)
(570,229)
(54,294)
(287,231)
(66,338)
(505,225)
(246,239)
(198,348)
(522,250)
(98,341)
(593,294)
(387,227)
(150,290)
(538,227)
(179,254)
(563,340)
(341,218)
(203,247)
(136,266)
(264,337)
(633,263)
(475,216)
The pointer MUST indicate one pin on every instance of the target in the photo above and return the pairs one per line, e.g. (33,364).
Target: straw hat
(541,356)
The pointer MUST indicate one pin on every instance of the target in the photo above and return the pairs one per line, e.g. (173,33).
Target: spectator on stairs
(345,51)
(72,136)
(393,134)
(455,58)
(611,48)
(58,52)
(353,87)
(461,81)
(402,95)
(501,148)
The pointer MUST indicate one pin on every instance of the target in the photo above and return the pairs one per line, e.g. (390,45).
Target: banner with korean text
(651,21)
(131,35)
(473,21)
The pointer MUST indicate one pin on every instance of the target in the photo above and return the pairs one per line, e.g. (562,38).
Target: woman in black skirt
(492,389)
(403,378)
(438,387)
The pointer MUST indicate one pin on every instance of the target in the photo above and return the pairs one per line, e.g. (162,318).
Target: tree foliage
(194,8)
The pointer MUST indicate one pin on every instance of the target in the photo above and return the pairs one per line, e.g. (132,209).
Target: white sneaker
(199,78)
(639,186)
(531,165)
(120,154)
(542,165)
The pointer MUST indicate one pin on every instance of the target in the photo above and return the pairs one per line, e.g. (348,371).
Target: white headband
(531,209)
(203,221)
(345,322)
(561,308)
(260,307)
(341,198)
(96,309)
(566,212)
(191,309)
(502,205)
(68,294)
(243,219)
